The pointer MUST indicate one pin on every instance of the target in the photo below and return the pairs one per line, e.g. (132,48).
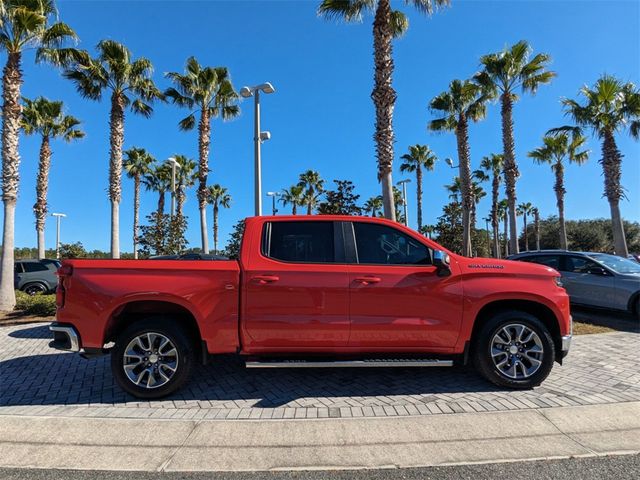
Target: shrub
(39,305)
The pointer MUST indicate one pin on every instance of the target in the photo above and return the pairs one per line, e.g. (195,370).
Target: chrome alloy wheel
(517,351)
(150,360)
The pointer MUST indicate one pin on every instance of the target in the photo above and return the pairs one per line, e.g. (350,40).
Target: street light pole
(174,164)
(404,199)
(58,217)
(273,196)
(258,138)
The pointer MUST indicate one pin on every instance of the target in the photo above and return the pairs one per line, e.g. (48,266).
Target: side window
(18,267)
(30,267)
(383,245)
(302,242)
(552,261)
(578,265)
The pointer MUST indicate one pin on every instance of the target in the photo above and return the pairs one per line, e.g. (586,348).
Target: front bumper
(65,337)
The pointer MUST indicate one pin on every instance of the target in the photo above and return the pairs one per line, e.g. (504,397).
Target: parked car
(635,257)
(189,256)
(36,276)
(593,279)
(315,291)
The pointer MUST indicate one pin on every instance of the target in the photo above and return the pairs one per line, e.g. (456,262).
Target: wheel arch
(632,305)
(35,282)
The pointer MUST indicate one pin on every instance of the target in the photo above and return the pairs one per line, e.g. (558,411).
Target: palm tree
(555,148)
(312,185)
(427,230)
(294,196)
(398,201)
(419,157)
(611,106)
(525,209)
(130,84)
(208,92)
(186,177)
(464,101)
(536,226)
(503,214)
(137,164)
(493,165)
(373,205)
(23,24)
(218,197)
(387,25)
(504,73)
(47,119)
(158,179)
(478,194)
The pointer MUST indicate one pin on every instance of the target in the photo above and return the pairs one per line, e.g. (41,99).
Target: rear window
(30,267)
(300,242)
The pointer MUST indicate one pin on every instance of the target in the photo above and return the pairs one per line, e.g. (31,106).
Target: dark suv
(36,276)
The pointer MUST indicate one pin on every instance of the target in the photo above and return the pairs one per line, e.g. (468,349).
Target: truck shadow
(39,331)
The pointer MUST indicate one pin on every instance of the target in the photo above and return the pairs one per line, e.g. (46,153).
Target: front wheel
(514,350)
(152,358)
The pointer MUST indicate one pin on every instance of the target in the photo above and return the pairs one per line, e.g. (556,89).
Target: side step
(412,362)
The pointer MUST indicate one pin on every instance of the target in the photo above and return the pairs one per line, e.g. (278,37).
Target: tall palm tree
(158,179)
(131,86)
(209,93)
(137,164)
(503,214)
(504,73)
(493,165)
(373,206)
(294,196)
(419,157)
(557,147)
(24,24)
(611,106)
(313,186)
(186,177)
(47,119)
(387,25)
(524,209)
(465,101)
(536,226)
(218,197)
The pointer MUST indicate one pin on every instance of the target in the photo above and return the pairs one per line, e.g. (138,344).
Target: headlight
(558,281)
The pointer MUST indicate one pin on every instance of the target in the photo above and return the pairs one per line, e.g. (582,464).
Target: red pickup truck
(315,291)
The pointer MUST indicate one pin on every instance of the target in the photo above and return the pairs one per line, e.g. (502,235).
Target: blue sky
(321,116)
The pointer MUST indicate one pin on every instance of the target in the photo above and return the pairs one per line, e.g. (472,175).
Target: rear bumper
(65,337)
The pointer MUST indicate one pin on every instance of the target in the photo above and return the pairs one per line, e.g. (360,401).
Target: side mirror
(442,261)
(597,271)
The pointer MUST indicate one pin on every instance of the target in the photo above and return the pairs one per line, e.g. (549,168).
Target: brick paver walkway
(35,380)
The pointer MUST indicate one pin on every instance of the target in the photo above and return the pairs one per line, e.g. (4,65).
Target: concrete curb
(209,445)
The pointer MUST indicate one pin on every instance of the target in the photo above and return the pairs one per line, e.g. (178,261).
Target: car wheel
(152,358)
(515,350)
(34,289)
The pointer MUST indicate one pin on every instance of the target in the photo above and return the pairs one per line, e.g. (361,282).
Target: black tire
(184,358)
(35,289)
(482,351)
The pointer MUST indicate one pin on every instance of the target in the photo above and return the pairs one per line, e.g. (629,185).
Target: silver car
(593,279)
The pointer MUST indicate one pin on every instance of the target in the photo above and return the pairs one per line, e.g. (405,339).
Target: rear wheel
(514,349)
(152,358)
(34,289)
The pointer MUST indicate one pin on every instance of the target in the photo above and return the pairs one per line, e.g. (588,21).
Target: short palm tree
(524,209)
(465,101)
(158,179)
(373,206)
(427,230)
(493,165)
(503,214)
(208,93)
(137,164)
(294,196)
(130,85)
(504,73)
(186,176)
(611,106)
(24,24)
(218,197)
(312,187)
(47,119)
(387,25)
(536,226)
(557,147)
(419,157)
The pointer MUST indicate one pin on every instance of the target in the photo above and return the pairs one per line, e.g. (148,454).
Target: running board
(348,363)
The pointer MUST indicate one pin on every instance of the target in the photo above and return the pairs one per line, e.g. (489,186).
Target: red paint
(260,305)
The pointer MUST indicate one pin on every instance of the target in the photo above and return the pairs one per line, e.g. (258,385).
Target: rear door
(296,289)
(585,287)
(17,275)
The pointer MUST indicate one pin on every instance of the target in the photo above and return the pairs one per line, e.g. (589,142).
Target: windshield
(617,264)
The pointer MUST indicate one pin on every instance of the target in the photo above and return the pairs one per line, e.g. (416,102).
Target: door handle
(264,279)
(368,280)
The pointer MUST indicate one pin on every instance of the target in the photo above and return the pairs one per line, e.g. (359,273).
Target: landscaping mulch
(19,317)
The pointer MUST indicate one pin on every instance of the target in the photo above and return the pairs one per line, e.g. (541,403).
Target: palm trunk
(204,140)
(462,137)
(526,238)
(136,214)
(309,208)
(419,194)
(42,184)
(294,209)
(161,203)
(560,192)
(215,227)
(506,235)
(510,168)
(611,162)
(384,98)
(536,227)
(116,126)
(11,111)
(180,198)
(494,214)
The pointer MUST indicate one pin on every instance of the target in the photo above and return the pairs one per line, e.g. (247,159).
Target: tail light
(63,272)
